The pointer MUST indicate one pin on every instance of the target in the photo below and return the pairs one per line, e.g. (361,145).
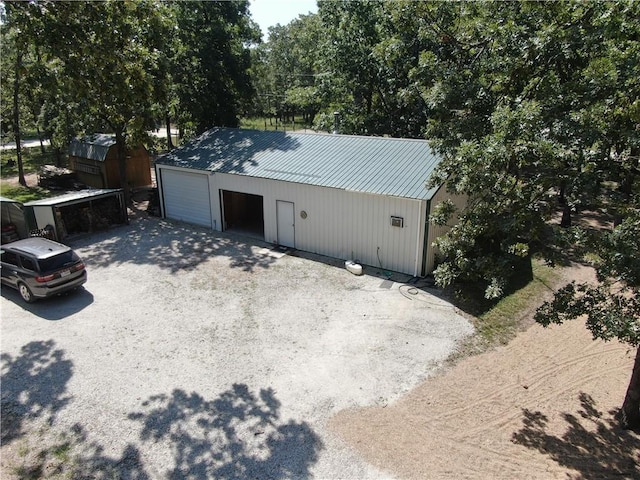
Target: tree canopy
(120,66)
(210,61)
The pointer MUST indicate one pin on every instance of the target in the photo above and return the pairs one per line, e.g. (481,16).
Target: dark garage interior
(243,213)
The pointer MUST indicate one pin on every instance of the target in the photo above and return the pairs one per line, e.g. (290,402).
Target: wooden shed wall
(139,168)
(107,174)
(88,171)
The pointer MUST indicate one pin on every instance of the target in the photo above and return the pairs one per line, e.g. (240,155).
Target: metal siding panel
(186,197)
(339,222)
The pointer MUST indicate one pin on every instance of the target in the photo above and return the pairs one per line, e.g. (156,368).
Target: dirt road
(541,407)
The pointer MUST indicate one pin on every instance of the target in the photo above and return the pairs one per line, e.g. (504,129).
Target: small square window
(397,222)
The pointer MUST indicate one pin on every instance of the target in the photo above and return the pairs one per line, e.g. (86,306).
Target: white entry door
(286,223)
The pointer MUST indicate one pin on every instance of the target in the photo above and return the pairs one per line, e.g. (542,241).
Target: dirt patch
(541,407)
(30,178)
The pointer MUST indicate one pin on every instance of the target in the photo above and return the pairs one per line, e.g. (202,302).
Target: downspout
(212,222)
(416,268)
(160,190)
(425,246)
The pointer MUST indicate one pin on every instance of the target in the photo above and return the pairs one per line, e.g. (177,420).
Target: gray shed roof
(94,146)
(378,165)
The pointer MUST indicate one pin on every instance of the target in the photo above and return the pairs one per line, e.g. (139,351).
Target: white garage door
(186,197)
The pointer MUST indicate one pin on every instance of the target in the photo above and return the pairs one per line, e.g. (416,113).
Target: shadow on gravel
(237,435)
(605,451)
(34,386)
(169,245)
(53,308)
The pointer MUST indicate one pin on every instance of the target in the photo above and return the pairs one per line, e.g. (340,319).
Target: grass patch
(264,123)
(32,160)
(62,452)
(499,323)
(24,194)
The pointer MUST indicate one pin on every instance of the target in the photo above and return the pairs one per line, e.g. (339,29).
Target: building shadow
(604,450)
(170,245)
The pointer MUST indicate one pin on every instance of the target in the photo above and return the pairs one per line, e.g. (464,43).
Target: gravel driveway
(193,354)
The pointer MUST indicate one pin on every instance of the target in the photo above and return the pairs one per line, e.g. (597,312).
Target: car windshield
(58,262)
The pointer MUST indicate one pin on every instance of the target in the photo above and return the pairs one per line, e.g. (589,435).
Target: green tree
(17,64)
(292,67)
(369,50)
(284,71)
(211,61)
(535,109)
(105,58)
(516,93)
(350,35)
(612,306)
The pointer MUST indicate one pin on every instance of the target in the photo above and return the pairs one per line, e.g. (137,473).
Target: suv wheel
(25,293)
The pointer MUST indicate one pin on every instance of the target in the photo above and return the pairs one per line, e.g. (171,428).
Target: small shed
(94,159)
(78,212)
(14,221)
(349,197)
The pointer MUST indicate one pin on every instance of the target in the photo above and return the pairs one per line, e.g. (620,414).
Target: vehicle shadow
(52,308)
(604,450)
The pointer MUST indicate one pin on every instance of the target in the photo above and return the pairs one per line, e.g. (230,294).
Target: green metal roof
(94,146)
(377,165)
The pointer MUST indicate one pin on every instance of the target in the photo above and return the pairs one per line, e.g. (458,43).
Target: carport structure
(14,220)
(78,212)
(348,197)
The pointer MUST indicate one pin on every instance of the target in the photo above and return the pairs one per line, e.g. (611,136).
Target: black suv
(38,268)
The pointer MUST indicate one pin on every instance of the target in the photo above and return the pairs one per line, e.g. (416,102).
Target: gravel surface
(193,354)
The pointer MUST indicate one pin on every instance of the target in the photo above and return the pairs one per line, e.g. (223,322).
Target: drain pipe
(422,219)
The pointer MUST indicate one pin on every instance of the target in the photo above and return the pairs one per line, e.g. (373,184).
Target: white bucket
(353,267)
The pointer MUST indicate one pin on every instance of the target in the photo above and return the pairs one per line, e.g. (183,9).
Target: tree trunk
(566,216)
(626,189)
(630,412)
(42,149)
(167,121)
(16,117)
(122,164)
